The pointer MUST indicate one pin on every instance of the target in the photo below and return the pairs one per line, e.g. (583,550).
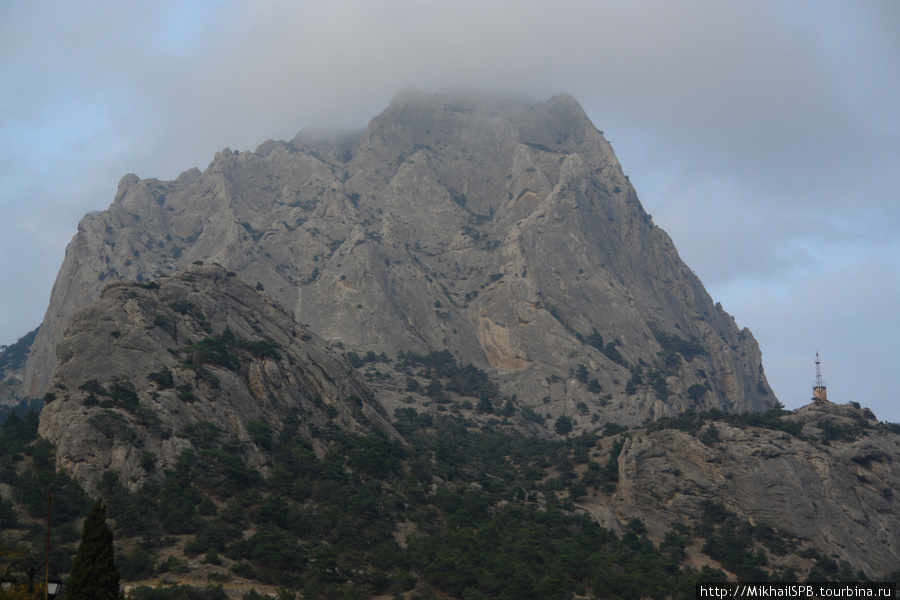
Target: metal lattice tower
(820,393)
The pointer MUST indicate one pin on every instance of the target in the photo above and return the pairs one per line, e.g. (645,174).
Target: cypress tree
(94,574)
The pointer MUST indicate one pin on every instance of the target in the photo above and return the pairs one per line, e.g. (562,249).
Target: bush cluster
(443,371)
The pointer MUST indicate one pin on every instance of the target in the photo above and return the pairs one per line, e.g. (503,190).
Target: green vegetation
(843,432)
(692,422)
(650,377)
(444,372)
(356,361)
(673,343)
(94,574)
(113,426)
(697,391)
(710,435)
(163,378)
(21,409)
(227,351)
(180,592)
(496,527)
(563,425)
(609,350)
(18,440)
(13,357)
(730,541)
(461,509)
(184,307)
(213,351)
(16,432)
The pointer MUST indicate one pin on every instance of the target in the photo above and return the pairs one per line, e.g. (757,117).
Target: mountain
(449,355)
(218,426)
(502,231)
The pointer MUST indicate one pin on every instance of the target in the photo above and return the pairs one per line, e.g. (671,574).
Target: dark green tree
(563,425)
(94,573)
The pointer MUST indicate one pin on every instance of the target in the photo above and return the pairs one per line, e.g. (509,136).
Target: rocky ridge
(503,231)
(833,485)
(147,371)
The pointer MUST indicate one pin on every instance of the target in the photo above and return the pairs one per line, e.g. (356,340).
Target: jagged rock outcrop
(12,369)
(503,231)
(147,371)
(838,494)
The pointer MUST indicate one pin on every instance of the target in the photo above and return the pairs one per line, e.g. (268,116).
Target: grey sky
(763,136)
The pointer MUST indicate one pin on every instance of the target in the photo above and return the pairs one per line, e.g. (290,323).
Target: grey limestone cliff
(504,231)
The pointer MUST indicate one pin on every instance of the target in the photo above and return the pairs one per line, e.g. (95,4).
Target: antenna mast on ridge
(820,394)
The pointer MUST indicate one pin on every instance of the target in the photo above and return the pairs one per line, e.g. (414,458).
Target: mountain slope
(824,474)
(149,371)
(503,231)
(202,410)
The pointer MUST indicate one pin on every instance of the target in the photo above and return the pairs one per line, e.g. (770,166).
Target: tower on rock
(819,392)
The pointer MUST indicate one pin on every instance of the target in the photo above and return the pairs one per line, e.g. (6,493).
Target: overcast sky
(764,137)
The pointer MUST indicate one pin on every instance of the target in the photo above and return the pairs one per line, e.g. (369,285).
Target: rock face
(839,495)
(503,231)
(12,369)
(146,370)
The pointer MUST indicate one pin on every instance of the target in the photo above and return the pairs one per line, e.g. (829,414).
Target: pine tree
(94,575)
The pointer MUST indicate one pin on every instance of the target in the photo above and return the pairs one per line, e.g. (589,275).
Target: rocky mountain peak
(479,123)
(500,230)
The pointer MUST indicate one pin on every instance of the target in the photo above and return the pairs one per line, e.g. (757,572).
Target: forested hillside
(12,368)
(458,511)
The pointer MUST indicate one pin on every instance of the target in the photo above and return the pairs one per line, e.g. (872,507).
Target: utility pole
(47,572)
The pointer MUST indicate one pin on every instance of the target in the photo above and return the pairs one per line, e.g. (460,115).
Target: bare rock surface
(839,494)
(503,231)
(148,371)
